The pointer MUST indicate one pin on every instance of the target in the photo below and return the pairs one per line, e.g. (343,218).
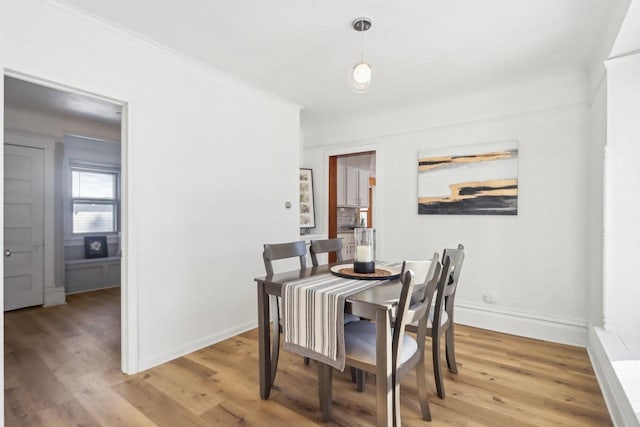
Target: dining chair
(440,319)
(275,252)
(423,271)
(407,352)
(325,246)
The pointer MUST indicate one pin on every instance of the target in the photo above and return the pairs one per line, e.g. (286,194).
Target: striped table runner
(313,315)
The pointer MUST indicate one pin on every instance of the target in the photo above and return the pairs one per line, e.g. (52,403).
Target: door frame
(129,216)
(330,166)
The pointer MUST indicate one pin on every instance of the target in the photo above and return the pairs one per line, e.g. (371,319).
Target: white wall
(622,209)
(536,262)
(208,165)
(595,184)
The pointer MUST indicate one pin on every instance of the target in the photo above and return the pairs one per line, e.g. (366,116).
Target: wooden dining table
(378,303)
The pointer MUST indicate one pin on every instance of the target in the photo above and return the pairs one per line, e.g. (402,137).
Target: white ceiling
(419,49)
(32,97)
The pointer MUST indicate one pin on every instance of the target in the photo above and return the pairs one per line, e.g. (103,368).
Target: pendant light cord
(361,41)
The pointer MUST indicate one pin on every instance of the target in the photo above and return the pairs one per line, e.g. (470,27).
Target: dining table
(378,303)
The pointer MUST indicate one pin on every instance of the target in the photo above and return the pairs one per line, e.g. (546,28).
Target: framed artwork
(307,209)
(469,180)
(95,247)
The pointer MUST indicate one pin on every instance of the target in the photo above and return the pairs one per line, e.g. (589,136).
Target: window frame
(115,201)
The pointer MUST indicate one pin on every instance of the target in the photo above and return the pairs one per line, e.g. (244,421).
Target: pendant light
(360,77)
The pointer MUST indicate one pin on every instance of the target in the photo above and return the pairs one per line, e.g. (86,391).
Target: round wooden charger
(381,273)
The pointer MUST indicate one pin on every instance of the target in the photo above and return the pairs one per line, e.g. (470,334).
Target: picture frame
(95,247)
(307,205)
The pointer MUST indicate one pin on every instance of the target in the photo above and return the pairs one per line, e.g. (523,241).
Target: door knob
(7,253)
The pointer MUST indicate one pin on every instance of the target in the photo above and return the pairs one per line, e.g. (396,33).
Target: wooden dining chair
(423,271)
(279,251)
(440,319)
(323,247)
(406,352)
(275,252)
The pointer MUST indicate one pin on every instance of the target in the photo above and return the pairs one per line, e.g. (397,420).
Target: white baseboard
(92,290)
(155,360)
(601,347)
(54,296)
(543,327)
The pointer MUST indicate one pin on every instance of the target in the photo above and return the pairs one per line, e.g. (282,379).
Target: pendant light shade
(361,77)
(361,74)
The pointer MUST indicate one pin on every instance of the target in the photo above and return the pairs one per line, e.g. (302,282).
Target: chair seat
(360,343)
(443,319)
(349,318)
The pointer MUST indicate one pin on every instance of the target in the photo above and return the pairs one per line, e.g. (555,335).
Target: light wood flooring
(62,369)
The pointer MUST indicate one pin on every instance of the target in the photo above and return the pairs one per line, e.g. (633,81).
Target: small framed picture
(95,247)
(307,209)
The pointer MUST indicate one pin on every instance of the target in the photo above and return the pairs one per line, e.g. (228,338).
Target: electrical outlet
(489,297)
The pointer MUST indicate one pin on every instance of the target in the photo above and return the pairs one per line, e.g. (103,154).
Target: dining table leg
(384,382)
(325,379)
(264,345)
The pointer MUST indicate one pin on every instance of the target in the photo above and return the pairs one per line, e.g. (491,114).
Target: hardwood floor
(62,369)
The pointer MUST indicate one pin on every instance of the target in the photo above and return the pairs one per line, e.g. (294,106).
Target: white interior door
(23,227)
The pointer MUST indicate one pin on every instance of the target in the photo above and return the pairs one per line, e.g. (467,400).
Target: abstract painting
(469,180)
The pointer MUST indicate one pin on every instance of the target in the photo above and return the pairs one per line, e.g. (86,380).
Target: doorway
(352,182)
(82,196)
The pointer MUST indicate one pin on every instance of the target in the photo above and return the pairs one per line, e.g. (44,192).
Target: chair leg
(451,351)
(275,339)
(361,378)
(437,369)
(306,361)
(396,402)
(325,379)
(354,374)
(421,375)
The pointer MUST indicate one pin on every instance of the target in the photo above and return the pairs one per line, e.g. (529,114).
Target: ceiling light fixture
(361,74)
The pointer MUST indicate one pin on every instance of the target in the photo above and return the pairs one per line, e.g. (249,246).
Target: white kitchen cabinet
(342,185)
(363,189)
(353,187)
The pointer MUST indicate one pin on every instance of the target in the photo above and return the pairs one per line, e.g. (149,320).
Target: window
(95,200)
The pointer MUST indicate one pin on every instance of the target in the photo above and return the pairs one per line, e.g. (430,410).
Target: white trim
(112,259)
(620,409)
(150,43)
(29,139)
(200,343)
(54,296)
(78,240)
(93,290)
(532,325)
(129,238)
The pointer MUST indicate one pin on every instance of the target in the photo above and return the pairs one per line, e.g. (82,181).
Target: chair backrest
(446,295)
(408,313)
(407,279)
(457,259)
(325,246)
(423,271)
(274,252)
